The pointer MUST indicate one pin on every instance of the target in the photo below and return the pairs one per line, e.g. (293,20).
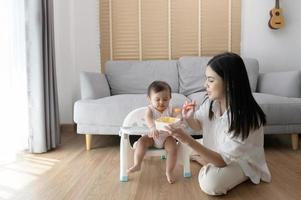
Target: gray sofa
(107,98)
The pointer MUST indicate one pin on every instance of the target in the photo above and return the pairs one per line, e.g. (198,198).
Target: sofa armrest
(287,84)
(93,85)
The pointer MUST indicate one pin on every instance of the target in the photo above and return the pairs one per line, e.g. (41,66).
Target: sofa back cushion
(133,77)
(192,73)
(252,67)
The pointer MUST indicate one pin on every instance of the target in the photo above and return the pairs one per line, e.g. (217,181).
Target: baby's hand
(154,133)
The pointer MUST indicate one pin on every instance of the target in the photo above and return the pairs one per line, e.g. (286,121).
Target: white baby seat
(134,124)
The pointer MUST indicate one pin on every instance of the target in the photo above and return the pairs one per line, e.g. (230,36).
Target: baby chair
(134,124)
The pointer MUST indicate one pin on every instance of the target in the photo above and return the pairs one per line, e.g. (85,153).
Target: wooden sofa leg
(295,141)
(88,141)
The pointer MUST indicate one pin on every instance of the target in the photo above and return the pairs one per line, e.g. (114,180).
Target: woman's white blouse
(248,153)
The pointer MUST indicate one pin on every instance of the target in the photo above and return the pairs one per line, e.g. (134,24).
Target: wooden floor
(71,172)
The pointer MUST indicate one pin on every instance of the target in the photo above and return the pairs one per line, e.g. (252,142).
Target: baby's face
(160,100)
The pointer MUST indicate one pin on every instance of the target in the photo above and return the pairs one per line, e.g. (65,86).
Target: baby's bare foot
(135,168)
(170,177)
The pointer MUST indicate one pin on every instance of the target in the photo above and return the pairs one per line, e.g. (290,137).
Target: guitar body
(277,20)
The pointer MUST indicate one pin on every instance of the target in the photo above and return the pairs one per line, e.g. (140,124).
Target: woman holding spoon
(231,121)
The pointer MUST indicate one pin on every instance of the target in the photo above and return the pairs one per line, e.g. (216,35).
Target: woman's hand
(188,109)
(154,133)
(179,134)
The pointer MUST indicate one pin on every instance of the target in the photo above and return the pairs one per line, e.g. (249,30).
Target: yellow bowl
(164,121)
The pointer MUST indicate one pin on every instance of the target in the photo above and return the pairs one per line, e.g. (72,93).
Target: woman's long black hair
(245,113)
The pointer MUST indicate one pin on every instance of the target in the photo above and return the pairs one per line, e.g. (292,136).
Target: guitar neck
(277,4)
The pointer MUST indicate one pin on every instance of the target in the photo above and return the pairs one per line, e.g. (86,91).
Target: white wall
(65,66)
(276,50)
(77,39)
(77,49)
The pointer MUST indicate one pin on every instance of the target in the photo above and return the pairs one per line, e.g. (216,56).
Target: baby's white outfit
(159,142)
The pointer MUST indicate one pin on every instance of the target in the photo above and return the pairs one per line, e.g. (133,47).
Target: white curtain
(14,130)
(41,75)
(29,115)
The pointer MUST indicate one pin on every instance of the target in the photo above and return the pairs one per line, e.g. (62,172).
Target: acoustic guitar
(277,20)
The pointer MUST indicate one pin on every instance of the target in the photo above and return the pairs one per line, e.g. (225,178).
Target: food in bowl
(164,121)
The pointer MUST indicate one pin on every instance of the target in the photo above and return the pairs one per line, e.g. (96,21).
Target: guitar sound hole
(278,23)
(277,13)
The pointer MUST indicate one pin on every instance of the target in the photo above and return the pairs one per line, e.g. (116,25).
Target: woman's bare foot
(170,177)
(197,159)
(134,168)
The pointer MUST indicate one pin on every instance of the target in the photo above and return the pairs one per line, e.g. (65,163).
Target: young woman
(231,150)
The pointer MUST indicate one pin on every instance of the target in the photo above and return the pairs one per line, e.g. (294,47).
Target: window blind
(168,29)
(154,29)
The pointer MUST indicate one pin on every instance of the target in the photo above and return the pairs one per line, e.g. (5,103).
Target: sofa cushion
(111,111)
(279,110)
(133,77)
(93,85)
(289,87)
(192,73)
(252,68)
(198,97)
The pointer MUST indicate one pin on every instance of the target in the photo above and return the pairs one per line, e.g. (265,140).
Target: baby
(159,95)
